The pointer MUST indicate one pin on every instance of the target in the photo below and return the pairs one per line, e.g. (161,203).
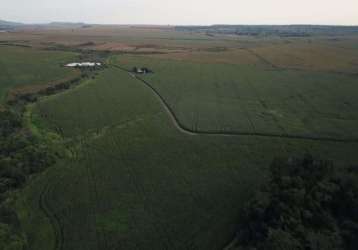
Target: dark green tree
(307,204)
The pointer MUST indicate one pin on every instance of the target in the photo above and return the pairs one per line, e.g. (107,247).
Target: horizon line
(199,25)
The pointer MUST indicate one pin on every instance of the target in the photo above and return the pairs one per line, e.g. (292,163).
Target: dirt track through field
(192,132)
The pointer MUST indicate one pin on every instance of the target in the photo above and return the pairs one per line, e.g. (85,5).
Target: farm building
(141,70)
(83,64)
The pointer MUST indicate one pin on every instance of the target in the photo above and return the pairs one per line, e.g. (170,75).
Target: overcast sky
(201,12)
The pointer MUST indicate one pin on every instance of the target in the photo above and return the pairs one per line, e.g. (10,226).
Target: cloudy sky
(201,12)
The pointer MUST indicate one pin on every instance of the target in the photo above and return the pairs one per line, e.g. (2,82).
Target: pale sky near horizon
(183,12)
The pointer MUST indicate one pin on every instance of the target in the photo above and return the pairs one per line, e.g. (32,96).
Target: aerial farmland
(154,137)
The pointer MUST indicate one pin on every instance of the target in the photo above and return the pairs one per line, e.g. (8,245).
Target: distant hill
(272,30)
(9,24)
(67,25)
(6,25)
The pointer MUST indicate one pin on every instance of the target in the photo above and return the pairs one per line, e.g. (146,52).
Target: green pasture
(21,66)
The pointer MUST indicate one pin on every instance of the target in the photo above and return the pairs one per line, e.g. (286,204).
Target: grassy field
(254,98)
(133,181)
(24,67)
(312,56)
(130,35)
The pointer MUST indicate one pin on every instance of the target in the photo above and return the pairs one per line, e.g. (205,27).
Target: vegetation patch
(307,204)
(22,67)
(24,152)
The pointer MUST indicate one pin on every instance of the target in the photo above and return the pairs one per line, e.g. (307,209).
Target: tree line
(307,204)
(21,155)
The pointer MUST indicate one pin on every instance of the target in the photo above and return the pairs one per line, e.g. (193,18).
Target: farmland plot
(133,181)
(22,67)
(319,56)
(209,97)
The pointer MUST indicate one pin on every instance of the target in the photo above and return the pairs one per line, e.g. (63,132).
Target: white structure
(83,64)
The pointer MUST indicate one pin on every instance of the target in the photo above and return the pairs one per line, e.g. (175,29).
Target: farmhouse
(141,70)
(83,64)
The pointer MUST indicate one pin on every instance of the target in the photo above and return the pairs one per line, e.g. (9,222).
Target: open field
(319,57)
(28,68)
(166,160)
(254,98)
(100,35)
(133,181)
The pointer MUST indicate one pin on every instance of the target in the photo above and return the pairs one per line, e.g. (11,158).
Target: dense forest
(21,155)
(308,204)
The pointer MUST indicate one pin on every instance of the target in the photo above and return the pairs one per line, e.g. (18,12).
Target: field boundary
(189,131)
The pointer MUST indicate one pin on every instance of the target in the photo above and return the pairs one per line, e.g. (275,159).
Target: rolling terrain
(166,160)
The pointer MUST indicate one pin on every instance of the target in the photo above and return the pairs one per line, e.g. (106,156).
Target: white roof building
(83,64)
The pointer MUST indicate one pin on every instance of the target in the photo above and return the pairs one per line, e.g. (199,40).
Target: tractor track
(52,217)
(189,131)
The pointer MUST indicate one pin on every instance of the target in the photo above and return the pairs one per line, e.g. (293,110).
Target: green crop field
(21,66)
(254,98)
(132,180)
